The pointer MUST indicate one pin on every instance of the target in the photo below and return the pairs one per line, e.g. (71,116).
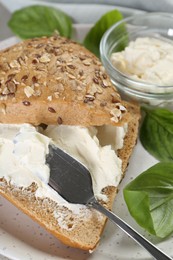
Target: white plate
(22,238)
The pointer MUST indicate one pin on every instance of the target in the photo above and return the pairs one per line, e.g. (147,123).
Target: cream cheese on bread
(22,155)
(26,149)
(84,145)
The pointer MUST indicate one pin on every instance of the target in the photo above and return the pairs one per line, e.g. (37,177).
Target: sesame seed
(88,98)
(86,62)
(49,98)
(29,91)
(71,76)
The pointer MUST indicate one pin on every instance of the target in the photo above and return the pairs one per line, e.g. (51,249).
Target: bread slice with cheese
(55,81)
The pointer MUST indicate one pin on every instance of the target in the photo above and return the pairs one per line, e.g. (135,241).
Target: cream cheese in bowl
(137,53)
(146,59)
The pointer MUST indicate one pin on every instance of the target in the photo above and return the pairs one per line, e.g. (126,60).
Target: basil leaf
(156,133)
(92,39)
(149,199)
(37,21)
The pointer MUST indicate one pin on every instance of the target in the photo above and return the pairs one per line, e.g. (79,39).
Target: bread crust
(53,81)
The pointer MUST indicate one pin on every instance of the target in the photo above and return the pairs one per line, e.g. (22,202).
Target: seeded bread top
(55,80)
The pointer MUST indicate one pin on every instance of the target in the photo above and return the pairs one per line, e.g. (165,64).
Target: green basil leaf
(92,39)
(156,133)
(149,199)
(37,21)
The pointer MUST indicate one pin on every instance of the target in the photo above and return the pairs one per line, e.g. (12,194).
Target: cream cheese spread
(146,59)
(23,150)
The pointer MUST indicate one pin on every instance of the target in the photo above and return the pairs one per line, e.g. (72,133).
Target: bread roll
(57,81)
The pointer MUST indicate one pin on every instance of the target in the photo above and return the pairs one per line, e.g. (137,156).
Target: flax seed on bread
(56,81)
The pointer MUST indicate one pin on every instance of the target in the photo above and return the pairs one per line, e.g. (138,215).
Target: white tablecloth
(147,5)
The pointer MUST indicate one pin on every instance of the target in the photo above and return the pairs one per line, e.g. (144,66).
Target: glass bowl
(155,25)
